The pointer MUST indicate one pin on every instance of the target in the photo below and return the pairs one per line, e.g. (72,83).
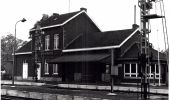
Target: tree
(7,44)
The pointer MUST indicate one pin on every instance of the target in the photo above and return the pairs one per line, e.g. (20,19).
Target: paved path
(126,88)
(44,93)
(116,88)
(22,83)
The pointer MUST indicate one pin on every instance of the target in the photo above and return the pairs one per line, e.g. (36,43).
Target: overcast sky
(107,14)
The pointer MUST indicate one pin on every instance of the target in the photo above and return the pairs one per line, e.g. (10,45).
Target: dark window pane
(127,68)
(127,75)
(133,75)
(139,68)
(157,75)
(133,68)
(152,68)
(157,69)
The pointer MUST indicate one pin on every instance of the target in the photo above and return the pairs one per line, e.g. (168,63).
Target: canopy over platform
(65,58)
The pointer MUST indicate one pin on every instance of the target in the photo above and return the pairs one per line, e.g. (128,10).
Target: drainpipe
(112,65)
(63,38)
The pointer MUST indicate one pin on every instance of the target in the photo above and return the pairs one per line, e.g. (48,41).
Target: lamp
(22,20)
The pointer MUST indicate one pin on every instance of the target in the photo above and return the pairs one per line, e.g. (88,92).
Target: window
(55,68)
(56,41)
(127,68)
(37,43)
(107,69)
(154,69)
(47,42)
(133,70)
(130,70)
(46,69)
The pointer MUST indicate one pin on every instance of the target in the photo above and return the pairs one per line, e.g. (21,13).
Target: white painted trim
(22,53)
(65,22)
(93,21)
(89,49)
(129,37)
(101,48)
(73,17)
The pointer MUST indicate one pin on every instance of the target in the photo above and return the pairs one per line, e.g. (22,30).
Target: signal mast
(145,6)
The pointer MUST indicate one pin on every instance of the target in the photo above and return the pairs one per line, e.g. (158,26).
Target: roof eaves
(51,26)
(129,36)
(89,49)
(22,53)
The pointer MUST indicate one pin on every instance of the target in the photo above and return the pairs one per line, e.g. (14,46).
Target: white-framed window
(55,69)
(131,70)
(47,42)
(154,69)
(46,68)
(56,41)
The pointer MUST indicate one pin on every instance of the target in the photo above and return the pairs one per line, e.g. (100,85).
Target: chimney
(135,26)
(81,9)
(55,14)
(44,16)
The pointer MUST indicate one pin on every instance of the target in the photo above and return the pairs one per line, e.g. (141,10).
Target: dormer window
(47,42)
(56,41)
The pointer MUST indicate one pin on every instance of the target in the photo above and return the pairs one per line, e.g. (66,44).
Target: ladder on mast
(145,6)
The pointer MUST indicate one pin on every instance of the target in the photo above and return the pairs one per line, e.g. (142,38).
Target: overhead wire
(164,29)
(165,23)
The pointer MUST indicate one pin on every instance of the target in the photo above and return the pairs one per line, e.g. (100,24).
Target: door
(39,71)
(25,71)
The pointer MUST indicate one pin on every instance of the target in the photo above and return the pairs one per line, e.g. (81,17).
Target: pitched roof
(132,53)
(102,39)
(59,20)
(25,48)
(56,19)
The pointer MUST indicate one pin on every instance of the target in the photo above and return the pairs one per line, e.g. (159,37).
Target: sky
(107,14)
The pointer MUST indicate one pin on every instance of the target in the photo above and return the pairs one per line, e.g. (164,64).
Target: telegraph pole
(145,6)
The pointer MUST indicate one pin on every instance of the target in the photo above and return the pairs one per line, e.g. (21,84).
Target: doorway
(39,71)
(25,71)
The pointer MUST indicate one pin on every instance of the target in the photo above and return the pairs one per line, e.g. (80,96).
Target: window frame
(129,74)
(55,66)
(46,68)
(151,75)
(56,41)
(47,42)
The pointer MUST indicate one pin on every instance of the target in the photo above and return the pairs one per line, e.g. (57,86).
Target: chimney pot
(55,14)
(81,9)
(135,26)
(44,17)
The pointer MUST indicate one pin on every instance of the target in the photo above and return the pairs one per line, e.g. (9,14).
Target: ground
(83,93)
